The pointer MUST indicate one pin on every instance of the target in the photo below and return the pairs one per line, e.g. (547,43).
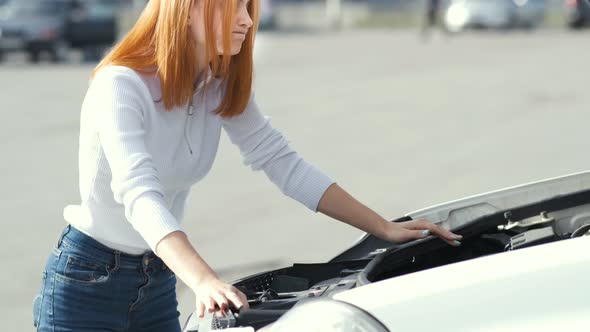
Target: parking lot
(402,124)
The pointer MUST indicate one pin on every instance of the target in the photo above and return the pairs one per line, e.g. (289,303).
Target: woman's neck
(201,67)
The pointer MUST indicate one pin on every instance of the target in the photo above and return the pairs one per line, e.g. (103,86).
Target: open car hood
(455,214)
(500,222)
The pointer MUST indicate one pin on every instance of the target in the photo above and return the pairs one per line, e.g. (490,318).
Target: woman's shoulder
(117,73)
(122,77)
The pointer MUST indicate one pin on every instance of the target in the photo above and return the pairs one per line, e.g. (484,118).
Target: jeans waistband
(75,239)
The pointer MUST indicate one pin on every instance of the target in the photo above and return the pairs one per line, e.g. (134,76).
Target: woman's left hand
(400,232)
(340,205)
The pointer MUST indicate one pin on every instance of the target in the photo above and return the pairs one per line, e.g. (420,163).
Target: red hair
(161,39)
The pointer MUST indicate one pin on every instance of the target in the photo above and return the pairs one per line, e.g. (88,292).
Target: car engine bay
(271,294)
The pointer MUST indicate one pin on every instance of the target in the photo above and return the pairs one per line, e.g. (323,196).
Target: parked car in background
(92,26)
(267,15)
(93,22)
(578,13)
(465,14)
(494,14)
(34,27)
(528,13)
(55,26)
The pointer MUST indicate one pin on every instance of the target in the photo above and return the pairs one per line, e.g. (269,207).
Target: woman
(150,128)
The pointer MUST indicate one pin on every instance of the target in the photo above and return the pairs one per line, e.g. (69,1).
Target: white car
(524,265)
(494,14)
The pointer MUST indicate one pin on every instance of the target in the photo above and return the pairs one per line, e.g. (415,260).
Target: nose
(243,18)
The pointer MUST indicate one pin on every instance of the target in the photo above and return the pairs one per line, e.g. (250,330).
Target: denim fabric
(87,286)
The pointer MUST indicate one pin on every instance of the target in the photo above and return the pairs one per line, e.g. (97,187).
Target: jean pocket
(82,270)
(38,301)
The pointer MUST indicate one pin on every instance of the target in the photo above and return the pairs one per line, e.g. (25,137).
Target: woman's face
(240,26)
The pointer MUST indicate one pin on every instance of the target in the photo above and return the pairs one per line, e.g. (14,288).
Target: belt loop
(146,260)
(117,261)
(63,234)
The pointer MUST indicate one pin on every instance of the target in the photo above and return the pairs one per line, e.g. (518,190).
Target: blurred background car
(529,13)
(93,22)
(464,14)
(494,14)
(34,27)
(92,26)
(267,16)
(55,26)
(578,13)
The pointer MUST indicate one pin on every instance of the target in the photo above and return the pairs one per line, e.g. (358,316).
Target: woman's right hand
(214,295)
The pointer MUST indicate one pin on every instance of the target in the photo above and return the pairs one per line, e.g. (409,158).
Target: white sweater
(137,162)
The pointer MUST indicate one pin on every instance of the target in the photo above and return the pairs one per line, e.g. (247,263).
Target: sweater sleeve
(119,100)
(265,148)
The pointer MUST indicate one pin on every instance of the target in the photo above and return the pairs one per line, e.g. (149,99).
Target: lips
(239,35)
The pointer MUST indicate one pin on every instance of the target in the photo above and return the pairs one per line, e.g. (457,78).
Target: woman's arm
(340,205)
(265,148)
(182,258)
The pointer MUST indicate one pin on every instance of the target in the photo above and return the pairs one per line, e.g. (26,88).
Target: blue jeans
(87,286)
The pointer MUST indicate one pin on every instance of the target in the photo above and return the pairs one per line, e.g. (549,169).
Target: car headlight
(326,316)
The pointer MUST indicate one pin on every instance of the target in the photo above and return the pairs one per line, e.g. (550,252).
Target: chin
(234,51)
(236,48)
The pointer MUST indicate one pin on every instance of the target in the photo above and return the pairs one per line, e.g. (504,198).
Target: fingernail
(458,236)
(425,232)
(457,243)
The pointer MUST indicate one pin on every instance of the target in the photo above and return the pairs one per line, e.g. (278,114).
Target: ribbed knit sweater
(137,162)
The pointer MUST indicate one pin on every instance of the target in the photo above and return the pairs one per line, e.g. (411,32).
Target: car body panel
(529,13)
(536,289)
